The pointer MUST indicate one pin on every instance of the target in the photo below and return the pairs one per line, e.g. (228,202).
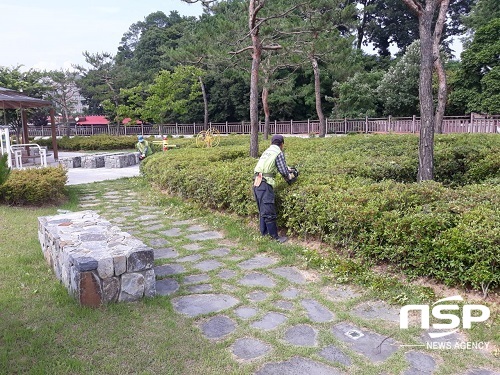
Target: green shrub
(4,168)
(34,186)
(356,193)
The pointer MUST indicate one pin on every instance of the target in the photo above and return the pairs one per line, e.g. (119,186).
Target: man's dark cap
(277,139)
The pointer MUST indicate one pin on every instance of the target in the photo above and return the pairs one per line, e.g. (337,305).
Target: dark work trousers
(264,196)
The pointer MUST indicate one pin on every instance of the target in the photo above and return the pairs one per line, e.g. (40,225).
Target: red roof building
(92,120)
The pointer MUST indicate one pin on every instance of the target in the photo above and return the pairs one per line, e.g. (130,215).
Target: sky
(53,34)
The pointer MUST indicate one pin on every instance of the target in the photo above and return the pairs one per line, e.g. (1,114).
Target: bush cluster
(95,142)
(34,186)
(359,194)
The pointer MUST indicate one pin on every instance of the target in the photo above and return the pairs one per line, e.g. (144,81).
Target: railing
(463,124)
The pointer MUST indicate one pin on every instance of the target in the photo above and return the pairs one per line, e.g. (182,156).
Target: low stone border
(113,160)
(96,261)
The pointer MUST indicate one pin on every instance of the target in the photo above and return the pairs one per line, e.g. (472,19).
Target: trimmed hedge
(95,142)
(34,186)
(358,194)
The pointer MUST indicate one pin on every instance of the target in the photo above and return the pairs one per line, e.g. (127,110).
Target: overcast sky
(52,34)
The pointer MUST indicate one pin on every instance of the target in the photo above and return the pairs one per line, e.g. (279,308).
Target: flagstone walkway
(258,305)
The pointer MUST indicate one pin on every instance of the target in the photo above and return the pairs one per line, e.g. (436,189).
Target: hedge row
(95,142)
(34,186)
(357,194)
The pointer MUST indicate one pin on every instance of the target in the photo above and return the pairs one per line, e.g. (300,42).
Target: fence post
(345,125)
(194,128)
(469,130)
(227,128)
(291,126)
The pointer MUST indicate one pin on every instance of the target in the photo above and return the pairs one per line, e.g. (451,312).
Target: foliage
(398,89)
(34,186)
(476,86)
(171,93)
(4,168)
(357,96)
(95,142)
(359,194)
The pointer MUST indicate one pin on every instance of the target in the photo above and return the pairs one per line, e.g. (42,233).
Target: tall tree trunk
(317,94)
(205,104)
(66,121)
(253,8)
(426,142)
(438,66)
(265,106)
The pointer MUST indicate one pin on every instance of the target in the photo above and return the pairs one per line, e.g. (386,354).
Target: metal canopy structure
(11,99)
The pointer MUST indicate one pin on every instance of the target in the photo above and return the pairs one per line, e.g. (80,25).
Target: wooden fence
(465,124)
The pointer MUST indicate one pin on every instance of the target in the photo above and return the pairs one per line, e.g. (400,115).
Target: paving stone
(158,242)
(245,312)
(290,293)
(168,269)
(234,258)
(257,296)
(197,228)
(208,265)
(220,252)
(183,222)
(152,226)
(481,371)
(173,232)
(166,287)
(203,236)
(372,345)
(257,262)
(333,354)
(88,205)
(149,217)
(316,311)
(270,321)
(301,335)
(199,304)
(165,253)
(297,366)
(200,288)
(192,247)
(292,274)
(453,338)
(420,363)
(377,310)
(341,293)
(189,258)
(257,279)
(124,208)
(217,327)
(193,279)
(284,305)
(226,274)
(248,348)
(118,220)
(230,288)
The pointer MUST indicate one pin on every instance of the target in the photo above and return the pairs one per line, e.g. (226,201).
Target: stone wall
(96,261)
(113,160)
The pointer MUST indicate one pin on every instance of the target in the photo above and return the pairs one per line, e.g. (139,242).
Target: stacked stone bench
(96,261)
(111,160)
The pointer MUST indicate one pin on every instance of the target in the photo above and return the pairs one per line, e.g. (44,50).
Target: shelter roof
(11,99)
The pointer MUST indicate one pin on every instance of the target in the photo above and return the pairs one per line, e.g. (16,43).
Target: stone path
(260,307)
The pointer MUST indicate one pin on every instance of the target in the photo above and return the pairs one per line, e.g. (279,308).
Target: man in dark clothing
(270,163)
